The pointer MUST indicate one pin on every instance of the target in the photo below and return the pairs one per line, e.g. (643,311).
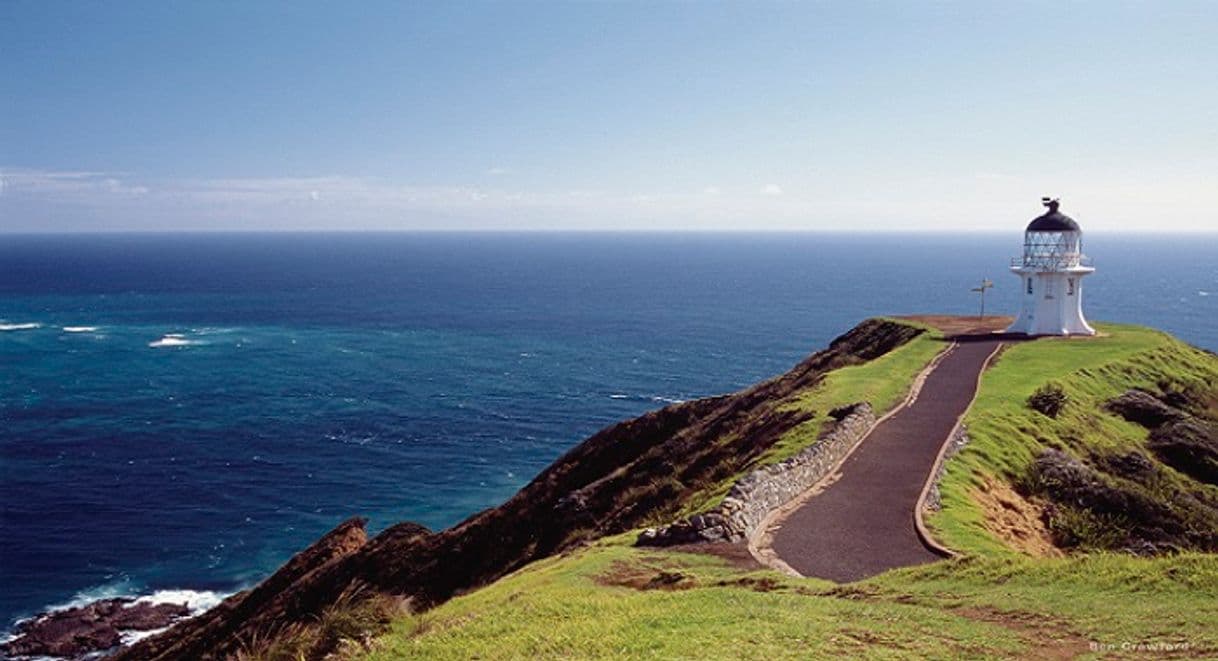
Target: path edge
(924,533)
(759,544)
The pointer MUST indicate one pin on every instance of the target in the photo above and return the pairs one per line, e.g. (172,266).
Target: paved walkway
(863,523)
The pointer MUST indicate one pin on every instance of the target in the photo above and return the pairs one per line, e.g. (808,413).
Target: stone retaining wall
(958,440)
(768,487)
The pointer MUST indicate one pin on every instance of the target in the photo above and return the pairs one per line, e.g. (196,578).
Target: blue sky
(530,115)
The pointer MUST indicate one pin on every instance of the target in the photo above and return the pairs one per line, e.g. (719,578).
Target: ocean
(185,411)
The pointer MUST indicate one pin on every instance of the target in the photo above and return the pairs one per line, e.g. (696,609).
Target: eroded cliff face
(617,480)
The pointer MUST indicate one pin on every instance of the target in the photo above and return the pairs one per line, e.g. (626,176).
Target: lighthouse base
(1035,330)
(1052,303)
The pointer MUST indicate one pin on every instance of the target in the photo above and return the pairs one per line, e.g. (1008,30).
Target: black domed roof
(1053,221)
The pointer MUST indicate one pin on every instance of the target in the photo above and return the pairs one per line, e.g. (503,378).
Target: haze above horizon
(146,116)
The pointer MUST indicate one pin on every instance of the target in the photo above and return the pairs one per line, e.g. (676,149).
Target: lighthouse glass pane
(1051,250)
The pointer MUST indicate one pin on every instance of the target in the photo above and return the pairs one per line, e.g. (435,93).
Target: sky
(822,116)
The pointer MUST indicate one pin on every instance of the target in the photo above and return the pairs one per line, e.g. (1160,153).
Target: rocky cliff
(628,475)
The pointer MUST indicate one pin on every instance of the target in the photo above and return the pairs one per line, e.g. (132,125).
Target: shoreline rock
(95,627)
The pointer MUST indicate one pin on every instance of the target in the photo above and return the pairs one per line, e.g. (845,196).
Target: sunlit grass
(569,607)
(883,383)
(1006,435)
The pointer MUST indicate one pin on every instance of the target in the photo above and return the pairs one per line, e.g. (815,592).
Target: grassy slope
(1006,435)
(993,603)
(576,607)
(883,383)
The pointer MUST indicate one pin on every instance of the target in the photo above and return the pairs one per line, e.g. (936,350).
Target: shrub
(1049,399)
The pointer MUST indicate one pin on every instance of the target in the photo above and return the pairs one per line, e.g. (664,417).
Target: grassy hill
(988,485)
(1003,598)
(1083,507)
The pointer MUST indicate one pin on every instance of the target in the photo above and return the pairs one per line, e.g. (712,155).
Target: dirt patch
(642,577)
(756,584)
(1047,638)
(1015,520)
(851,592)
(956,325)
(737,555)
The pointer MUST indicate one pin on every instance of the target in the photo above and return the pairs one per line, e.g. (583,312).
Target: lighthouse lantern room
(1051,275)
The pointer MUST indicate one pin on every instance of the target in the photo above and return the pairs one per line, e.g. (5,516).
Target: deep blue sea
(186,411)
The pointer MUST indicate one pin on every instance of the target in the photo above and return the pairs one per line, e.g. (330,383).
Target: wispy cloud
(19,181)
(71,200)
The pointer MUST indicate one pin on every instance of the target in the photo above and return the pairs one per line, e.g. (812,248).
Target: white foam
(132,636)
(172,340)
(114,590)
(79,329)
(209,330)
(619,396)
(19,327)
(196,600)
(667,400)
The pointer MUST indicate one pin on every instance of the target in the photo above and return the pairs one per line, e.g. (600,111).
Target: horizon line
(531,230)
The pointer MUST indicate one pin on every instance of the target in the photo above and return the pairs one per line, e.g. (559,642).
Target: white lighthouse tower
(1051,275)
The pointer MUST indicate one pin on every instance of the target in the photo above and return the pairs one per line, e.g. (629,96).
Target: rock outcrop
(1188,445)
(767,488)
(96,627)
(1131,508)
(1143,408)
(1184,441)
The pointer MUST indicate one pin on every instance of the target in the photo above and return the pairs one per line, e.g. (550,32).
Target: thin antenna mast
(985,284)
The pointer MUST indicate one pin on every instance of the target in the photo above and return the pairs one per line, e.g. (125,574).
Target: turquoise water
(186,411)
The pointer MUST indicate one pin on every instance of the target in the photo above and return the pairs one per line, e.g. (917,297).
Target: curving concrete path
(863,522)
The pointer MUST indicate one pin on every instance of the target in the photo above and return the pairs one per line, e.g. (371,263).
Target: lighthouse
(1051,273)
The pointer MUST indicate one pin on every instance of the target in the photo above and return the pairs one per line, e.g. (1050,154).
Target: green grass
(991,603)
(883,383)
(570,607)
(1006,434)
(564,608)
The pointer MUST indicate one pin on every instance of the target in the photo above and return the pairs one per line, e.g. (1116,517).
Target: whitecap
(213,330)
(667,400)
(79,329)
(619,396)
(1202,292)
(19,327)
(172,340)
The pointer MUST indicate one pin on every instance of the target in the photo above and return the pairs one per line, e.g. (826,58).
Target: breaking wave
(19,327)
(197,601)
(172,340)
